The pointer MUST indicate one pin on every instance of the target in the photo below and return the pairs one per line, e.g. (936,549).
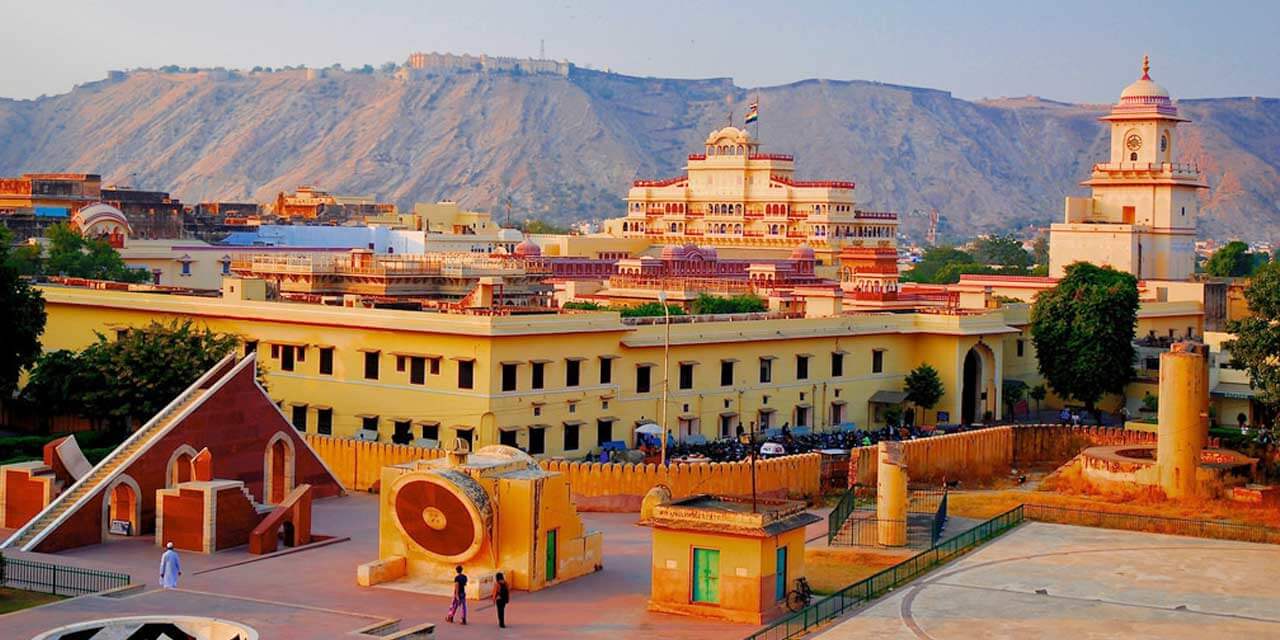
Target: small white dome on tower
(1144,89)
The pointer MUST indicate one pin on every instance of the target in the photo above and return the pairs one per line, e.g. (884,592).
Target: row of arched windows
(726,150)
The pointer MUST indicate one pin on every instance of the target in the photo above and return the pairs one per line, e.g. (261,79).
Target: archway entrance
(977,383)
(123,510)
(278,455)
(277,477)
(181,469)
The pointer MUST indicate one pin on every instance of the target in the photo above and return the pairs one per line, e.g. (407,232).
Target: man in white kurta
(170,569)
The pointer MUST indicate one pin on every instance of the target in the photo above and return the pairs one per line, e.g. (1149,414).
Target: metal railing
(926,517)
(844,508)
(866,590)
(1152,524)
(59,580)
(939,519)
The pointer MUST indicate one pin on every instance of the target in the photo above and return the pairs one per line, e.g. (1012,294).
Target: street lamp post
(666,370)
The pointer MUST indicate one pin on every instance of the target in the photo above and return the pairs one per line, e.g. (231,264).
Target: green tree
(924,388)
(543,227)
(1038,394)
(139,373)
(388,67)
(1040,250)
(1233,261)
(23,320)
(933,261)
(1012,391)
(55,383)
(582,306)
(1004,251)
(1083,329)
(1257,337)
(706,303)
(72,254)
(648,309)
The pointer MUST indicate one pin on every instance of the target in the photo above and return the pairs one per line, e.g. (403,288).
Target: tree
(1040,250)
(139,373)
(55,383)
(926,271)
(388,67)
(706,303)
(1012,391)
(1083,330)
(924,388)
(1233,261)
(1038,394)
(1257,337)
(72,254)
(543,227)
(648,309)
(1003,251)
(23,320)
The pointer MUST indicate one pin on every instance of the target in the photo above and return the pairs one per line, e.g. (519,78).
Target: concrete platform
(1055,581)
(313,593)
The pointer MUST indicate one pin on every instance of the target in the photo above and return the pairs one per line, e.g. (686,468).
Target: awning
(1234,390)
(884,396)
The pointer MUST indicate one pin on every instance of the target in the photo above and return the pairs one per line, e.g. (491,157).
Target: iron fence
(56,579)
(866,590)
(939,519)
(853,521)
(1152,524)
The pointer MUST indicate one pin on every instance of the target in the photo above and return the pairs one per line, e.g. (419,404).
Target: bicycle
(801,596)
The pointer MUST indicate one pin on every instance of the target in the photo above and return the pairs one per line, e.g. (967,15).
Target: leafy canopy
(923,386)
(21,322)
(1083,331)
(1257,337)
(133,376)
(1002,251)
(1234,260)
(706,303)
(72,254)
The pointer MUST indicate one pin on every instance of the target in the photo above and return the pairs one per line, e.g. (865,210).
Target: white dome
(1144,90)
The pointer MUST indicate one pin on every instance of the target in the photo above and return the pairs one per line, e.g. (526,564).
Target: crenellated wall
(358,463)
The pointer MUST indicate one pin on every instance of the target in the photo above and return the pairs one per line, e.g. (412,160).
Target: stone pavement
(1055,581)
(313,594)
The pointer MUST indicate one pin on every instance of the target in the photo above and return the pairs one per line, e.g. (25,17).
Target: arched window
(1133,157)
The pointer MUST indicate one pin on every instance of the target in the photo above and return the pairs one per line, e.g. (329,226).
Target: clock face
(1134,142)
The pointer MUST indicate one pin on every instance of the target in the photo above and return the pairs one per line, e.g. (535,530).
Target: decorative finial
(1146,67)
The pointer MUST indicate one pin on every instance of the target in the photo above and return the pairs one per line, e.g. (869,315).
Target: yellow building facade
(560,384)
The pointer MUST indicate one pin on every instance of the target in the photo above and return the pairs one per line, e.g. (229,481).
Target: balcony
(780,157)
(667,182)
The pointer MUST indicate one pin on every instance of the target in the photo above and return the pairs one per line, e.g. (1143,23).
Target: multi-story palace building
(1141,217)
(734,196)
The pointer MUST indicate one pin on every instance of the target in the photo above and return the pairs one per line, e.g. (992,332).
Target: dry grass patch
(830,569)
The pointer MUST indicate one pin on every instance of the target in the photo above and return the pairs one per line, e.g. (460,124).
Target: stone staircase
(93,482)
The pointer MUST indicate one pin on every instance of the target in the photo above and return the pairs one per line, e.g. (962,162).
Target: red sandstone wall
(184,520)
(236,518)
(23,498)
(82,528)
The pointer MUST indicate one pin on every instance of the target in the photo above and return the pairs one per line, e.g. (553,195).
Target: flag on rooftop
(753,113)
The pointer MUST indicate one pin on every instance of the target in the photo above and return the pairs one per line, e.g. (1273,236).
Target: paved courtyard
(312,593)
(1054,581)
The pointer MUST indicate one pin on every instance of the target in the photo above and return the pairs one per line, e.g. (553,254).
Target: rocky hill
(566,148)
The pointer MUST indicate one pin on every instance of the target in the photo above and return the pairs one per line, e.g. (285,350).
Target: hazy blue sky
(1081,51)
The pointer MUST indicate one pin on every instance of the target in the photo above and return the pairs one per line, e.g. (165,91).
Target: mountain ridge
(567,147)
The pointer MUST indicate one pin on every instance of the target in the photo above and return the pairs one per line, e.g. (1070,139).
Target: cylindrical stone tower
(1182,388)
(891,495)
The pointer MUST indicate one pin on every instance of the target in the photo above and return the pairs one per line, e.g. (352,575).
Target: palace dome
(1144,90)
(802,252)
(527,249)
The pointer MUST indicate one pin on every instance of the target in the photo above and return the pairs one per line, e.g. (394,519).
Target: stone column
(1182,389)
(891,495)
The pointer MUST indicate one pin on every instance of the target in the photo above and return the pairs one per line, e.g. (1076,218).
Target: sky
(1082,51)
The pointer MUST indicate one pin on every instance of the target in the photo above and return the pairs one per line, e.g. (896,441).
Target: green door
(780,575)
(551,555)
(706,575)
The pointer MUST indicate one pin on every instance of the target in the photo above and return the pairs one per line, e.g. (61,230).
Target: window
(606,370)
(537,440)
(802,367)
(369,423)
(643,374)
(539,375)
(877,361)
(403,432)
(417,370)
(431,431)
(509,377)
(571,436)
(726,373)
(286,357)
(726,424)
(226,267)
(802,416)
(466,374)
(1021,346)
(573,407)
(186,268)
(686,375)
(435,366)
(466,435)
(371,365)
(572,371)
(324,421)
(837,364)
(766,370)
(300,417)
(400,361)
(326,361)
(507,437)
(604,431)
(250,346)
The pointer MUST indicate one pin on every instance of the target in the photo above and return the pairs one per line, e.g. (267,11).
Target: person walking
(459,595)
(170,568)
(501,596)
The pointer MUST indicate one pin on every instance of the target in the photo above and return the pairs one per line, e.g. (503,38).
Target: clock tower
(1141,217)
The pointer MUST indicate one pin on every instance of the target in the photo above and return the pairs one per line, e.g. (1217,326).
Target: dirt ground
(830,569)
